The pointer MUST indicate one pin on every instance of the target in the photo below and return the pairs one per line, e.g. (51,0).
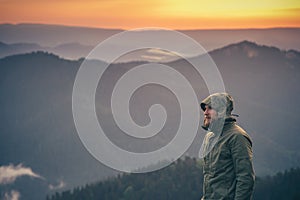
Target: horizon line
(122,29)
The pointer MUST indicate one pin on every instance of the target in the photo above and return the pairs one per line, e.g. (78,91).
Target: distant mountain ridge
(65,50)
(37,126)
(251,48)
(54,35)
(77,51)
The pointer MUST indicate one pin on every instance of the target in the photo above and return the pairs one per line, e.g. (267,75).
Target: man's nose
(206,111)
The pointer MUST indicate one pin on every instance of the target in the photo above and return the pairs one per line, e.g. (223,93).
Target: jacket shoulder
(238,133)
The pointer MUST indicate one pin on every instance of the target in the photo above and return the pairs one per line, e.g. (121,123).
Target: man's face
(209,115)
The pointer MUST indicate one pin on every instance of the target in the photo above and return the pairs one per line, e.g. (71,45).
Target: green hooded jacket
(228,170)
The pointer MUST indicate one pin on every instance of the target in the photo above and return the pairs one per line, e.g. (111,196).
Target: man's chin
(206,123)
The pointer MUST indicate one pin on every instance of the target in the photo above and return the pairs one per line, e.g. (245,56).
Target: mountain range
(77,41)
(37,131)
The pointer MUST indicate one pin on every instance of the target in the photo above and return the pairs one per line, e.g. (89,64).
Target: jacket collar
(228,121)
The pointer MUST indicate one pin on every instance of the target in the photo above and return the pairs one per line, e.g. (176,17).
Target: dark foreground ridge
(181,180)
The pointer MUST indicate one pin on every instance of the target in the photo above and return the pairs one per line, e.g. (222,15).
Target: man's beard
(206,122)
(214,125)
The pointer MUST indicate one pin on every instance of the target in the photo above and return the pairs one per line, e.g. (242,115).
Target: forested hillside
(181,180)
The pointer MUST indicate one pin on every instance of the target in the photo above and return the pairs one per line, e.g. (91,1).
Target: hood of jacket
(221,102)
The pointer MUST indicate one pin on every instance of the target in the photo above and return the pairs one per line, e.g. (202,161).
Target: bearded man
(227,152)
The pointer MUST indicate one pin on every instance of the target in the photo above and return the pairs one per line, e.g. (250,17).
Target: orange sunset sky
(174,14)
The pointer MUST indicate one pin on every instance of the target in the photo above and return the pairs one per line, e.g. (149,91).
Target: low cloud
(12,195)
(8,174)
(161,52)
(152,57)
(160,55)
(60,185)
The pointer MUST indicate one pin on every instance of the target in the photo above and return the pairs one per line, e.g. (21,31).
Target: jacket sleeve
(241,151)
